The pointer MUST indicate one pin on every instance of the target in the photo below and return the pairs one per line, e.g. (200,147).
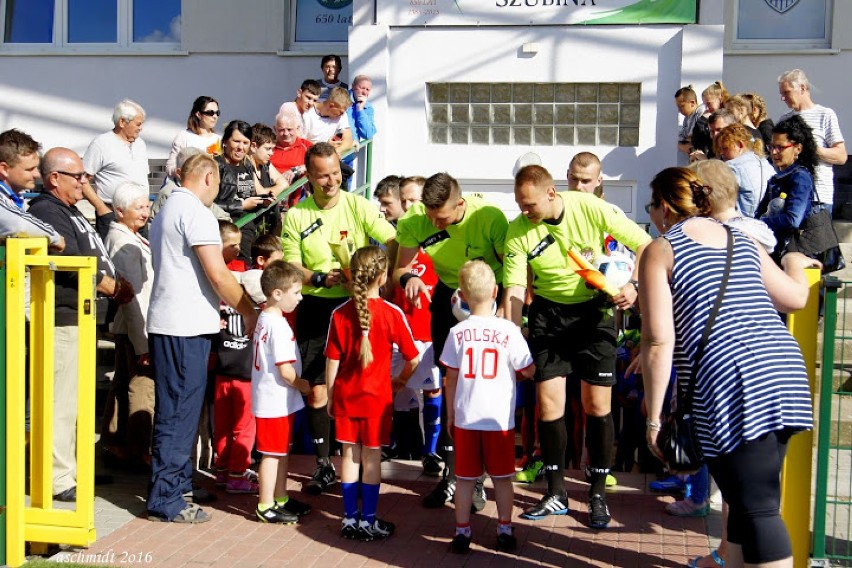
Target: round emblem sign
(334,4)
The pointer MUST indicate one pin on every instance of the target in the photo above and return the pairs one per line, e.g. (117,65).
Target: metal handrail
(363,189)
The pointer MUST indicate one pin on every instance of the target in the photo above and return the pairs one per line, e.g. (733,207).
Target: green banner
(535,12)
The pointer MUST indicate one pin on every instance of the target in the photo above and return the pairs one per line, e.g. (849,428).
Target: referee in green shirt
(451,229)
(571,327)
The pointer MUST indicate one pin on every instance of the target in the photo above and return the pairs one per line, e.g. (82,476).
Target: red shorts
(480,450)
(273,435)
(369,432)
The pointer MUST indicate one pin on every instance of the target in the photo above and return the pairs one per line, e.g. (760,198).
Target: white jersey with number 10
(487,352)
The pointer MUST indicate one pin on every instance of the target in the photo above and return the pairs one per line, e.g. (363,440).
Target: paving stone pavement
(641,534)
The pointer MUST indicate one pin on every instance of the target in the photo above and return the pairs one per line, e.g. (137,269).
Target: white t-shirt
(321,128)
(274,343)
(183,302)
(823,121)
(487,352)
(210,143)
(111,161)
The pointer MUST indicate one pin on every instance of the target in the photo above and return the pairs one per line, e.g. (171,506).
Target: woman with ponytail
(361,337)
(736,362)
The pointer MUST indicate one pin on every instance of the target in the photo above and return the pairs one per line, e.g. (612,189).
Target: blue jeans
(180,375)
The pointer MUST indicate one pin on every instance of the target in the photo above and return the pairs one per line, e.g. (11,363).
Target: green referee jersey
(309,231)
(479,235)
(544,247)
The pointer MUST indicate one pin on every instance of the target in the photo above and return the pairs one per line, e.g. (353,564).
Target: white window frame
(340,47)
(779,44)
(124,35)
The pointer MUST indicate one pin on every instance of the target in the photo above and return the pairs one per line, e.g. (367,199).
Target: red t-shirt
(359,392)
(420,319)
(285,158)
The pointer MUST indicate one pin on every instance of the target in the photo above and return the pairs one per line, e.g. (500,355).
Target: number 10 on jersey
(489,358)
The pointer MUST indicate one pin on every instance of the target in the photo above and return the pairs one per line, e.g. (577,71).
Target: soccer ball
(460,307)
(617,267)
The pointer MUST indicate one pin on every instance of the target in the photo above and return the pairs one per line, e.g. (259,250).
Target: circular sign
(334,4)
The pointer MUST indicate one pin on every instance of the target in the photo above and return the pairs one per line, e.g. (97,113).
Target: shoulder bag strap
(699,353)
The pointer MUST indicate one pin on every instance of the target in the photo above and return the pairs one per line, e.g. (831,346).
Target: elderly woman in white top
(128,416)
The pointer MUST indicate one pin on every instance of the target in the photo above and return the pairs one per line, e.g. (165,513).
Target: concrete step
(843,230)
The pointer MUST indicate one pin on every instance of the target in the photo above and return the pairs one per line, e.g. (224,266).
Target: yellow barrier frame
(40,522)
(796,470)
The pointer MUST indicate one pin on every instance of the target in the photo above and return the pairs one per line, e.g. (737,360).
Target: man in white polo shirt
(795,91)
(190,277)
(115,157)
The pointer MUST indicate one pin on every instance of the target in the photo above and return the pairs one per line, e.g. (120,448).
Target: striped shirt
(752,379)
(826,130)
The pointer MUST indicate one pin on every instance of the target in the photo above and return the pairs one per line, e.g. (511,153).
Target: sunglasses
(82,176)
(771,148)
(210,112)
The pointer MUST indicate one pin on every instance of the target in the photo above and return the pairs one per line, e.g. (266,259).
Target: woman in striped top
(750,388)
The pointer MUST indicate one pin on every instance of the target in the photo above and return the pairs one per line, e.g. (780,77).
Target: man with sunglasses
(113,158)
(63,176)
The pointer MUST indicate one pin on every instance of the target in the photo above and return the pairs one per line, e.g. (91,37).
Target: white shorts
(427,375)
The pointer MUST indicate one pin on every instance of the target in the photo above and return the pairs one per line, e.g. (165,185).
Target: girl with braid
(361,337)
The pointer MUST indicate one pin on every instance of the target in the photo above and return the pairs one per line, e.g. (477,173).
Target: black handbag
(676,439)
(816,239)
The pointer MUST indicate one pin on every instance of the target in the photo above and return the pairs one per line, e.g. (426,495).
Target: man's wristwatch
(635,284)
(318,279)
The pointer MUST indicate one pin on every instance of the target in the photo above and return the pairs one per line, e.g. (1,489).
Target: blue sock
(370,500)
(350,499)
(431,423)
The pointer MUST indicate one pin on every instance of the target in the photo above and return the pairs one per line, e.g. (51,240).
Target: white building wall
(68,100)
(658,57)
(232,51)
(827,70)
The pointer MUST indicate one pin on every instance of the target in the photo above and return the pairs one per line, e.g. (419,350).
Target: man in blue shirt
(360,113)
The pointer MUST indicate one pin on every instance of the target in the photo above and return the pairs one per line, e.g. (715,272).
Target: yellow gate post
(40,522)
(796,471)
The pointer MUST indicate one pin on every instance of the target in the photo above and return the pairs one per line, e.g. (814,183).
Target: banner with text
(323,20)
(534,12)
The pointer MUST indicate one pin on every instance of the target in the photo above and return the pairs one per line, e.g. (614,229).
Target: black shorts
(312,321)
(573,339)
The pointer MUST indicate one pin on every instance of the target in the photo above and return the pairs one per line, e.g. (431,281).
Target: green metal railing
(832,530)
(364,152)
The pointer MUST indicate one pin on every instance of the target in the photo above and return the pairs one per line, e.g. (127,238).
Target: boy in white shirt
(482,355)
(276,391)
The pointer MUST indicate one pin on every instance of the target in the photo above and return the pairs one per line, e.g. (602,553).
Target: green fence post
(826,388)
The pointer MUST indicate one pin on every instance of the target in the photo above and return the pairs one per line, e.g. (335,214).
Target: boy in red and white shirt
(482,355)
(276,391)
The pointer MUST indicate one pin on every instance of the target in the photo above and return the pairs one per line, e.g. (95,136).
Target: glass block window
(540,114)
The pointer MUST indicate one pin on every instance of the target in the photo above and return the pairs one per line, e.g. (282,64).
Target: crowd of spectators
(176,278)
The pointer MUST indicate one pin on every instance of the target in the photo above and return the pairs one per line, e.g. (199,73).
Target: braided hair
(367,266)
